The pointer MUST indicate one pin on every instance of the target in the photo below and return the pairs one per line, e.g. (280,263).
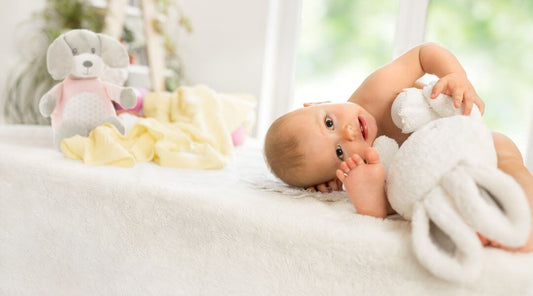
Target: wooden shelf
(117,11)
(130,10)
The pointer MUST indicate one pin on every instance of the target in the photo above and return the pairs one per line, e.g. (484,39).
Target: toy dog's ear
(113,53)
(59,58)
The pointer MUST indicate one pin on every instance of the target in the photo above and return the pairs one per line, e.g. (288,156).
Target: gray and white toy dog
(82,101)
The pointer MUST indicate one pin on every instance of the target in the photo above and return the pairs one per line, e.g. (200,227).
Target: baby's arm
(365,183)
(382,86)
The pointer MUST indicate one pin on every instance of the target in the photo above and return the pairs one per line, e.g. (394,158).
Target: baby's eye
(329,122)
(339,152)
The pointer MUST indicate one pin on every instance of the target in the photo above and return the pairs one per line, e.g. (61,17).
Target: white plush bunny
(82,101)
(445,179)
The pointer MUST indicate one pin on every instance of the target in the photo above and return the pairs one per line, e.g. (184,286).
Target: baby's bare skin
(374,98)
(511,162)
(365,183)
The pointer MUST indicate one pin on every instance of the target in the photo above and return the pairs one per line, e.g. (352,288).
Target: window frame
(283,31)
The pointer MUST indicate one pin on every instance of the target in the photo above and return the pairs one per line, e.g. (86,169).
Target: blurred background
(285,52)
(217,43)
(342,41)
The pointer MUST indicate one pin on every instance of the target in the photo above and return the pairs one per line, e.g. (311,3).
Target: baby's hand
(329,186)
(365,183)
(461,90)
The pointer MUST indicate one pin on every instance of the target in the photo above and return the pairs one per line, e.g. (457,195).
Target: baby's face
(330,133)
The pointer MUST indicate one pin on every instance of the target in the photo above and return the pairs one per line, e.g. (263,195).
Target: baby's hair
(282,152)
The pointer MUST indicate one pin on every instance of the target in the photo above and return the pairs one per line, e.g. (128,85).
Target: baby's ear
(315,103)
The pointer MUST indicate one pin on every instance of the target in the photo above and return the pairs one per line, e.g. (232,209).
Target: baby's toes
(357,160)
(372,156)
(340,175)
(344,167)
(351,163)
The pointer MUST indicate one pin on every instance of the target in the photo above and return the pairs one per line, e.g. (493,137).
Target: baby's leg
(510,161)
(365,183)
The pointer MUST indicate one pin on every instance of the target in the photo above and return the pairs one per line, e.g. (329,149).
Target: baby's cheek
(331,174)
(356,148)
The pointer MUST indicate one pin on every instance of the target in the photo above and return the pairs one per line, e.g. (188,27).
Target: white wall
(12,14)
(226,49)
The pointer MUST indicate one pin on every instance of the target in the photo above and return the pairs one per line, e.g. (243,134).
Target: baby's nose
(348,132)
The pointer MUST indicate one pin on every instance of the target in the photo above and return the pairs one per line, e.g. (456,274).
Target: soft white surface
(68,228)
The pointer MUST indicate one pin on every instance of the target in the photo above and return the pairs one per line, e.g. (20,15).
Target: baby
(323,145)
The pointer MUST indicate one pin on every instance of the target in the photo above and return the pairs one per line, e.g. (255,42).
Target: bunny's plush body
(83,101)
(445,180)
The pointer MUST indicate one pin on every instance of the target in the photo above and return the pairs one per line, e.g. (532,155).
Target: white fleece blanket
(71,229)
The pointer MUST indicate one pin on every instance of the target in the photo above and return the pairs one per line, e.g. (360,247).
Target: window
(341,43)
(492,39)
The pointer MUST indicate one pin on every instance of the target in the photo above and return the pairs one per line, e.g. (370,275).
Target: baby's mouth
(362,126)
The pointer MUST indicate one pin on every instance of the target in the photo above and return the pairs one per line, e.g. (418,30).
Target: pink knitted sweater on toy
(87,99)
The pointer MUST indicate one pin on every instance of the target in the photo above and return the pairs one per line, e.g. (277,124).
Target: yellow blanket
(190,128)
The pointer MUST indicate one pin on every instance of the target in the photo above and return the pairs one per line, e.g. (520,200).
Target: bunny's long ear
(442,242)
(59,58)
(113,53)
(492,202)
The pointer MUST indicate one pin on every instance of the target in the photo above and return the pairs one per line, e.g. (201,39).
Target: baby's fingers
(471,98)
(480,104)
(332,184)
(339,184)
(468,108)
(311,189)
(457,97)
(323,188)
(438,88)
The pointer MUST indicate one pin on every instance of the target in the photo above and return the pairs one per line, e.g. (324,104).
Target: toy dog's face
(82,54)
(86,51)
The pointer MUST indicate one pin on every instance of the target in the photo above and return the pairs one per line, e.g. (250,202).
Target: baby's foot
(373,164)
(365,183)
(528,247)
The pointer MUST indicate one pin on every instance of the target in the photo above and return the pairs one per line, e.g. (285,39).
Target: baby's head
(306,146)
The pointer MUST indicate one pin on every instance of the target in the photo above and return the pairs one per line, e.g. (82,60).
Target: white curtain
(280,61)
